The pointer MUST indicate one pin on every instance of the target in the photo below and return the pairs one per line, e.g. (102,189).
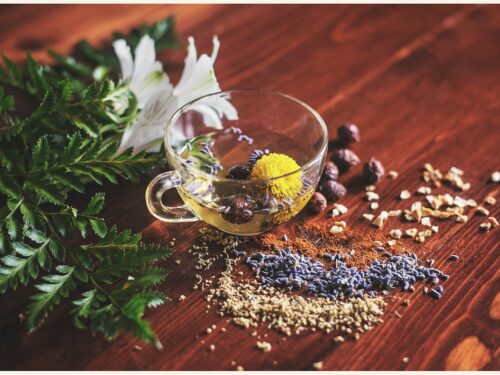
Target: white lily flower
(197,80)
(144,75)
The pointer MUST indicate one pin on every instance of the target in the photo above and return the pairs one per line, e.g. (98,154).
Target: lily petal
(124,55)
(147,130)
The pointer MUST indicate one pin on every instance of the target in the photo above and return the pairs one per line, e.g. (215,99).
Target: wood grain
(422,84)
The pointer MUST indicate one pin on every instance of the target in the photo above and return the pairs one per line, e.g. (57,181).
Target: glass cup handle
(159,185)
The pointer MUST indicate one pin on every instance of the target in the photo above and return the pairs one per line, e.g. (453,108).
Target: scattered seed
(490,200)
(424,190)
(393,175)
(398,315)
(373,206)
(338,339)
(368,217)
(405,194)
(182,297)
(318,365)
(406,359)
(138,348)
(495,177)
(211,347)
(453,257)
(264,346)
(371,196)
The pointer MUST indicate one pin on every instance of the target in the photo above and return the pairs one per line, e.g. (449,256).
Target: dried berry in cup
(239,172)
(348,133)
(344,159)
(317,203)
(373,171)
(333,190)
(236,209)
(330,172)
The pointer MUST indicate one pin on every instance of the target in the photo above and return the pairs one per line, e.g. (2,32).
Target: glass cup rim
(319,154)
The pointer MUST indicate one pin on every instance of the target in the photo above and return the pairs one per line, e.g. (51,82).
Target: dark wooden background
(423,84)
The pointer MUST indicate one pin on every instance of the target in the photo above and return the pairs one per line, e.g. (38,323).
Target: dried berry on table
(239,172)
(333,190)
(348,133)
(236,209)
(345,159)
(373,171)
(317,203)
(330,172)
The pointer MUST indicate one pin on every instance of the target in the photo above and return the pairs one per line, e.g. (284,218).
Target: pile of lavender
(291,271)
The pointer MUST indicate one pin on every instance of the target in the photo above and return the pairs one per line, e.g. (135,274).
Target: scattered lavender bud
(344,159)
(348,133)
(317,203)
(373,171)
(330,172)
(332,190)
(239,172)
(239,210)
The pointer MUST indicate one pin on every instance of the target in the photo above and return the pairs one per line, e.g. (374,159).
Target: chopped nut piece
(340,224)
(340,207)
(391,243)
(426,221)
(378,243)
(486,226)
(424,190)
(182,297)
(211,348)
(428,167)
(368,217)
(336,229)
(394,213)
(338,339)
(490,200)
(264,346)
(405,194)
(335,212)
(370,188)
(471,203)
(495,177)
(240,368)
(457,171)
(380,219)
(373,206)
(462,218)
(318,365)
(435,228)
(483,211)
(396,233)
(460,202)
(372,196)
(493,221)
(412,232)
(416,211)
(393,175)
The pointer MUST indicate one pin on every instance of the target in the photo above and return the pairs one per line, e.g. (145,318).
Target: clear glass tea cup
(202,146)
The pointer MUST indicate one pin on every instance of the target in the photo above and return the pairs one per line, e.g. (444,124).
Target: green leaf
(71,64)
(55,288)
(95,205)
(9,186)
(47,191)
(99,227)
(14,71)
(35,72)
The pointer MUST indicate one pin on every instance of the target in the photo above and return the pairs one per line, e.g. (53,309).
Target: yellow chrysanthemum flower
(275,165)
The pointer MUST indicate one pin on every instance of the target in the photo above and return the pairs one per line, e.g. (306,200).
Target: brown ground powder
(313,239)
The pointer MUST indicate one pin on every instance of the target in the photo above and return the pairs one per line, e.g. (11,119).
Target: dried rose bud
(239,172)
(348,133)
(333,190)
(344,159)
(330,172)
(373,171)
(317,203)
(236,209)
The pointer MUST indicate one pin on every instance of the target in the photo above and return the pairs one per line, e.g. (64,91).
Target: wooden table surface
(422,83)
